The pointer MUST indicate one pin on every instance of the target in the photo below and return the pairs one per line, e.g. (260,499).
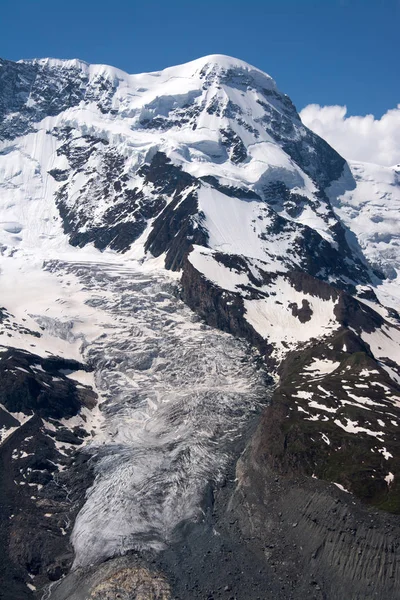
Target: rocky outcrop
(125,578)
(35,386)
(218,307)
(42,478)
(178,226)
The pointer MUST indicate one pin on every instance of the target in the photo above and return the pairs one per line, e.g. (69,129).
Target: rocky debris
(124,578)
(314,536)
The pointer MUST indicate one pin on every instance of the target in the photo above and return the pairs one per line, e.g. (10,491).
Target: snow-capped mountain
(125,197)
(367,200)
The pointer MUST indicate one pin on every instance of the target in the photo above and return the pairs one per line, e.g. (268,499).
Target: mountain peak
(221,61)
(69,63)
(212,63)
(227,68)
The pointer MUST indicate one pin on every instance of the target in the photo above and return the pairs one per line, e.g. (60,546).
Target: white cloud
(357,138)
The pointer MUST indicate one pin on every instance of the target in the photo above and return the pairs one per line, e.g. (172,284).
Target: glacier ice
(174,393)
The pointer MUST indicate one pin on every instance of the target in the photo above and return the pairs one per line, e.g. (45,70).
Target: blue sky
(342,52)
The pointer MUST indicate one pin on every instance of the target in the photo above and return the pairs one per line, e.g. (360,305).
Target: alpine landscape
(199,342)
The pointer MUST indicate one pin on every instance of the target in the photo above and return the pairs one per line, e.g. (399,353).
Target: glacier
(175,395)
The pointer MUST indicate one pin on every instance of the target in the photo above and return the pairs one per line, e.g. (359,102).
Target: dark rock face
(351,313)
(178,226)
(117,237)
(320,259)
(167,178)
(38,502)
(33,90)
(32,385)
(231,191)
(42,479)
(323,166)
(236,149)
(309,151)
(320,541)
(218,307)
(128,210)
(304,312)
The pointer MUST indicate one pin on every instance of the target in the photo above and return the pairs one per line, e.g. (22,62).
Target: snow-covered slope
(367,200)
(204,155)
(216,116)
(118,192)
